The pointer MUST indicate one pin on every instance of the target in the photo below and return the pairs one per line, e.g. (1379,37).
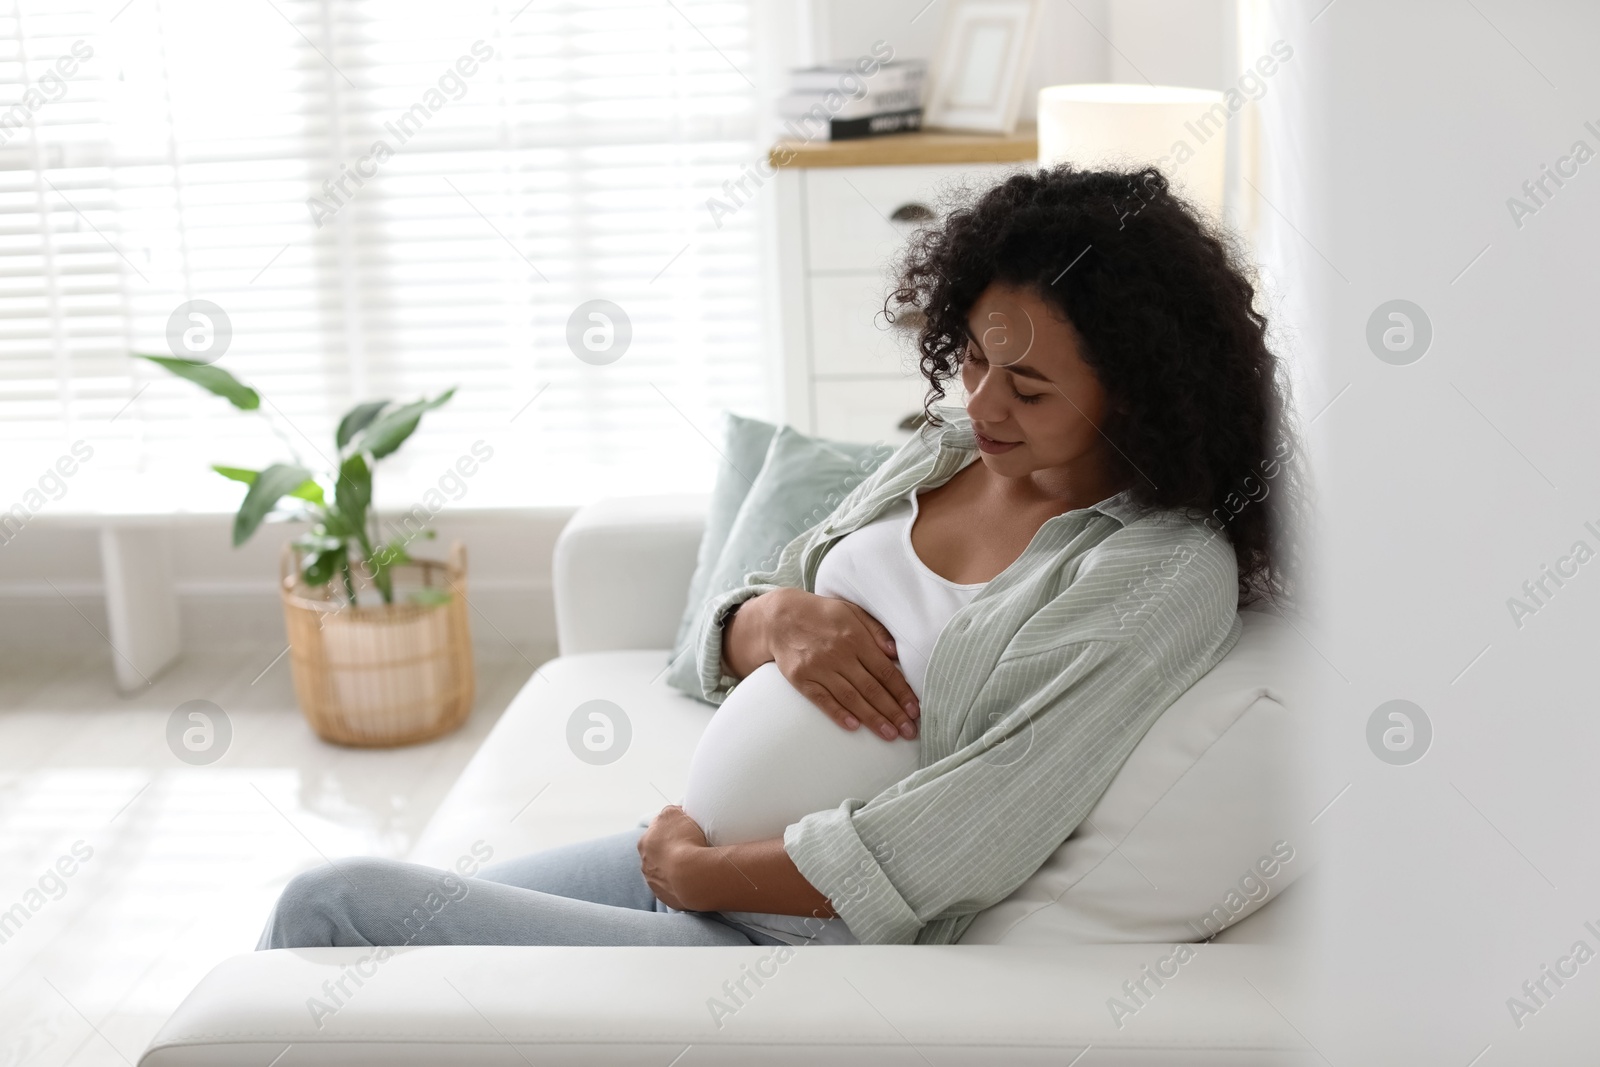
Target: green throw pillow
(744,449)
(800,483)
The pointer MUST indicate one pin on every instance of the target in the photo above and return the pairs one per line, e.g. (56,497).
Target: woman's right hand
(834,653)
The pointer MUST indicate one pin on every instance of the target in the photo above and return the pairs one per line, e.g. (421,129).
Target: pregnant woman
(931,688)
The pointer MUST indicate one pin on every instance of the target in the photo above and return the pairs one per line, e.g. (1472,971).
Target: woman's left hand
(666,853)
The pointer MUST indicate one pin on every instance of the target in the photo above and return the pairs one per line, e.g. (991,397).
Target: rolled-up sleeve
(714,683)
(1047,730)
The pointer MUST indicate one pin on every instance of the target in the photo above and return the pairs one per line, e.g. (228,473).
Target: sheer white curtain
(384,199)
(1275,196)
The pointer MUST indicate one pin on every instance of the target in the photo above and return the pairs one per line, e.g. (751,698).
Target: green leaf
(270,486)
(324,565)
(238,474)
(353,493)
(356,419)
(429,595)
(309,490)
(211,378)
(334,523)
(390,554)
(390,430)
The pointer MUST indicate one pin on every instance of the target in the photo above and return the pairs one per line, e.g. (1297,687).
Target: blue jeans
(590,893)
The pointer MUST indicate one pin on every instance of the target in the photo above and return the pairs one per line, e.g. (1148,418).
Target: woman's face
(1034,402)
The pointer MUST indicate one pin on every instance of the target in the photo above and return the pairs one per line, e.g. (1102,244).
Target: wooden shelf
(899,149)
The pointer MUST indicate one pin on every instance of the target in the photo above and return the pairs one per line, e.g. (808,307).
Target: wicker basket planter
(381,675)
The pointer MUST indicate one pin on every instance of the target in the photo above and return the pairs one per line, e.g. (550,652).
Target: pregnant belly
(769,757)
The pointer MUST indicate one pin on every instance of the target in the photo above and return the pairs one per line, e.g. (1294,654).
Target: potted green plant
(369,669)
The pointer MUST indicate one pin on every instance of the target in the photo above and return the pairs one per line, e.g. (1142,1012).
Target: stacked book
(836,102)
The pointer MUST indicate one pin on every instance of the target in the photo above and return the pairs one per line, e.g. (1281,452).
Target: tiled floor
(182,861)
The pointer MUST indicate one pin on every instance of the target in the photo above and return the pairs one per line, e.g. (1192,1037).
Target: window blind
(384,199)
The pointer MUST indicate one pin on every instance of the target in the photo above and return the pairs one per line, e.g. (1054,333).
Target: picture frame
(977,76)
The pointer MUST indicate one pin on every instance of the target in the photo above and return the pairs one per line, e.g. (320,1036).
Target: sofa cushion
(744,450)
(527,789)
(1199,828)
(621,568)
(843,1006)
(1172,852)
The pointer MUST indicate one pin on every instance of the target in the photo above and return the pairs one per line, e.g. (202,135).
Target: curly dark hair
(1164,304)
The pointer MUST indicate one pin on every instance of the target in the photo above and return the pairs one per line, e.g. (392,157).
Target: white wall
(1068,50)
(1169,42)
(228,594)
(1444,485)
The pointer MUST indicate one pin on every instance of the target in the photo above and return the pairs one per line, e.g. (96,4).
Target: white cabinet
(847,371)
(866,409)
(851,337)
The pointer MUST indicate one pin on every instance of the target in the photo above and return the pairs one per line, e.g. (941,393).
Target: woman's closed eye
(975,359)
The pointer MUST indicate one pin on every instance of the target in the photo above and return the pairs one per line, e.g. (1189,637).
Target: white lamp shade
(1182,131)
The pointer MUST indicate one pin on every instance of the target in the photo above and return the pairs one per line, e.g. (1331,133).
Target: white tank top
(876,568)
(770,757)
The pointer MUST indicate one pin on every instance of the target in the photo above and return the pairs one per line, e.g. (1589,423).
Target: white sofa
(1210,786)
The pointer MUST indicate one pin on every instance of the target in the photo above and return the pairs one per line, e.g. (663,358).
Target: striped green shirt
(1036,693)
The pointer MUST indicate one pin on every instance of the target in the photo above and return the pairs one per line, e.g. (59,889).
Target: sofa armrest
(845,1005)
(621,571)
